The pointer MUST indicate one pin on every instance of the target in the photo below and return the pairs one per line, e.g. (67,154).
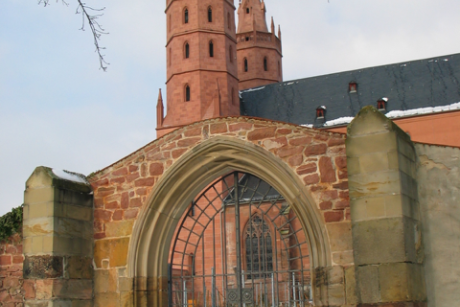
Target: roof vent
(382,104)
(352,87)
(320,112)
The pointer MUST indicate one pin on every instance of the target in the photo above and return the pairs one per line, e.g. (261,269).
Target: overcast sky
(58,109)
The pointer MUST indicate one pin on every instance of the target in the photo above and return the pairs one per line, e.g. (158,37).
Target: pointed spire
(279,32)
(273,26)
(160,110)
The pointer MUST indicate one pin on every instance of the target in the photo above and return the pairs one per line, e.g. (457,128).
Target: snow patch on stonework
(253,89)
(66,175)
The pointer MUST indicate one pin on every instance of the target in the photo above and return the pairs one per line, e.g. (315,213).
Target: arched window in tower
(259,252)
(186,15)
(245,64)
(279,69)
(209,14)
(187,93)
(211,49)
(247,10)
(186,50)
(230,53)
(265,64)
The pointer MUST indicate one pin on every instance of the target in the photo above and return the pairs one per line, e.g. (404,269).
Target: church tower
(202,80)
(258,51)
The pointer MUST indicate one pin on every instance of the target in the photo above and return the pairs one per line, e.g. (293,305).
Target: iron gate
(239,244)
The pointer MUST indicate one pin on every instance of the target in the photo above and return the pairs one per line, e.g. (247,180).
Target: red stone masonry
(11,278)
(317,157)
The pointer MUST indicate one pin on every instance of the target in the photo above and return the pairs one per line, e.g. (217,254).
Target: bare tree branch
(89,15)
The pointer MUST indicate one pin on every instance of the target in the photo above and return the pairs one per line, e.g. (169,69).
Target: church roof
(420,84)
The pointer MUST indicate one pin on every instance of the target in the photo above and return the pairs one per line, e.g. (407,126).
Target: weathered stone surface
(79,267)
(384,241)
(401,282)
(350,285)
(105,281)
(106,299)
(41,267)
(437,172)
(340,236)
(119,229)
(367,280)
(116,250)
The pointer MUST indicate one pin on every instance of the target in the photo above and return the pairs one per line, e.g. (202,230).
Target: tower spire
(160,110)
(273,26)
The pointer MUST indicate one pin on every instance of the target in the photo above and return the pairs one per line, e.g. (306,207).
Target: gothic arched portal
(170,201)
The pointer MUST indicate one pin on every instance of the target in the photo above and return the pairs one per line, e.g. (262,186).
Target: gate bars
(239,244)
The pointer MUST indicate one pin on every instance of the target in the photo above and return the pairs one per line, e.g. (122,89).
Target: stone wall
(438,176)
(58,239)
(385,212)
(122,190)
(11,280)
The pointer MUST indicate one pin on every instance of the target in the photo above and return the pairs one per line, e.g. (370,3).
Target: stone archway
(153,232)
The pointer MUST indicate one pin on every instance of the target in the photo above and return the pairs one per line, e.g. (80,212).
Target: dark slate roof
(409,85)
(253,189)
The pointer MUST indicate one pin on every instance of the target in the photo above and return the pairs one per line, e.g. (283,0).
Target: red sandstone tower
(258,51)
(202,79)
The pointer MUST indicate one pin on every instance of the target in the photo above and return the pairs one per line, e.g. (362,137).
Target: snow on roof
(66,175)
(338,121)
(396,114)
(421,111)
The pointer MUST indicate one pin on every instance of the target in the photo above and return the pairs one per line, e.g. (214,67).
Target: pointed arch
(190,174)
(265,64)
(229,21)
(209,14)
(185,15)
(245,64)
(211,49)
(186,50)
(187,92)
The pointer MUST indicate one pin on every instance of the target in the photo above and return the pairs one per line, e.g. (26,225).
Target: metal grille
(239,244)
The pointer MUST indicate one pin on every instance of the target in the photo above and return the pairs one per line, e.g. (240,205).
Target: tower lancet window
(229,21)
(245,64)
(211,49)
(187,92)
(185,15)
(187,50)
(230,53)
(265,64)
(247,10)
(209,14)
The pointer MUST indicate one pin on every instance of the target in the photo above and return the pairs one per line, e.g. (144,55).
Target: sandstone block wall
(438,176)
(11,280)
(384,211)
(58,239)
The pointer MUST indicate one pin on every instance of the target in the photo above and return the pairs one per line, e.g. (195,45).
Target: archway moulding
(149,246)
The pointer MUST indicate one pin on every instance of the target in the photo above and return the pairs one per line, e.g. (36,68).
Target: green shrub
(10,223)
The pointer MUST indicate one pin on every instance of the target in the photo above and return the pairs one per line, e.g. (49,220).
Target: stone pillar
(384,212)
(58,239)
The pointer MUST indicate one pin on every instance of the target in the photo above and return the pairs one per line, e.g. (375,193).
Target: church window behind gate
(259,252)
